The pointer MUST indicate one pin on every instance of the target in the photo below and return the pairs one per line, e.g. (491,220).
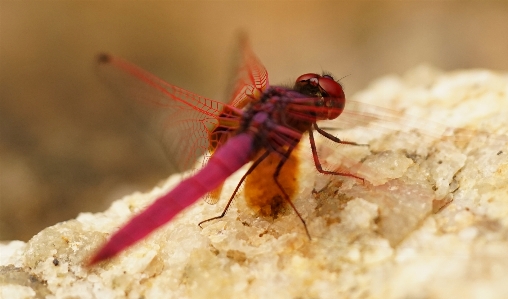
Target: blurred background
(66,146)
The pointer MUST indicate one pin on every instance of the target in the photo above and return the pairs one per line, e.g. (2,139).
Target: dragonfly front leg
(318,164)
(333,138)
(285,157)
(249,171)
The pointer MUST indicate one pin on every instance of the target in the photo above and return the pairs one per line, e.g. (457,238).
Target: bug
(259,121)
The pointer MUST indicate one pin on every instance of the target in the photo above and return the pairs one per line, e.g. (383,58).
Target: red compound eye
(336,98)
(313,79)
(331,87)
(332,92)
(325,83)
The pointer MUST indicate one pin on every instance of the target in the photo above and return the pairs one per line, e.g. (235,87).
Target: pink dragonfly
(259,121)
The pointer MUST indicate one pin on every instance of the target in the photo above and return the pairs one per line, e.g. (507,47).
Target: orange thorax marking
(261,193)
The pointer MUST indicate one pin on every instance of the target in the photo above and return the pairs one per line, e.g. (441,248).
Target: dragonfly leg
(318,164)
(251,168)
(335,139)
(286,196)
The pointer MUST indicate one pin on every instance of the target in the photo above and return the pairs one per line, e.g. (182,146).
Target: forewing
(388,131)
(180,120)
(376,121)
(251,76)
(251,79)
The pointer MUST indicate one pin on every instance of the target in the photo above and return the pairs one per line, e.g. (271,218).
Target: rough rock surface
(429,221)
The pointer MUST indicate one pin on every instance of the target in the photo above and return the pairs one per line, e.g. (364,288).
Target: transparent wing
(251,76)
(251,79)
(180,120)
(389,131)
(375,121)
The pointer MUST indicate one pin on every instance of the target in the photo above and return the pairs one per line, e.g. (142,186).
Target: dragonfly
(258,122)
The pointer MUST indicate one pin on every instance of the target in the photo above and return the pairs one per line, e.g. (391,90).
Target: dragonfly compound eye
(334,96)
(331,87)
(310,78)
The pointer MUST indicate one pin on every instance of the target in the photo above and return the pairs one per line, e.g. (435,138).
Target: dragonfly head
(327,89)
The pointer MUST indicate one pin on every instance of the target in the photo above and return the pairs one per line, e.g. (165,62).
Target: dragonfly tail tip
(103,58)
(100,256)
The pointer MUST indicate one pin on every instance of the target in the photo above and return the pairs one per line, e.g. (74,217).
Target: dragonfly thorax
(279,118)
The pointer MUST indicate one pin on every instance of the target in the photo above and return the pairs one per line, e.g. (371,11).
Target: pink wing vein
(179,119)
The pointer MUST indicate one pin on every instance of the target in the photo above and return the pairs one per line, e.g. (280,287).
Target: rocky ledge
(429,221)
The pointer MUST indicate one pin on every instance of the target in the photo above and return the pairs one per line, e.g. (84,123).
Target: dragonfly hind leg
(316,158)
(285,195)
(249,171)
(335,139)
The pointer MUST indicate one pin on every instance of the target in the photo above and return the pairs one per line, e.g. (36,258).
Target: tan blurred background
(66,146)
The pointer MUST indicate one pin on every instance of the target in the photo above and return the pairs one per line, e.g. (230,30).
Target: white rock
(430,220)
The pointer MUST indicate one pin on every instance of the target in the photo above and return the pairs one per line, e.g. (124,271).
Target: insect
(261,120)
